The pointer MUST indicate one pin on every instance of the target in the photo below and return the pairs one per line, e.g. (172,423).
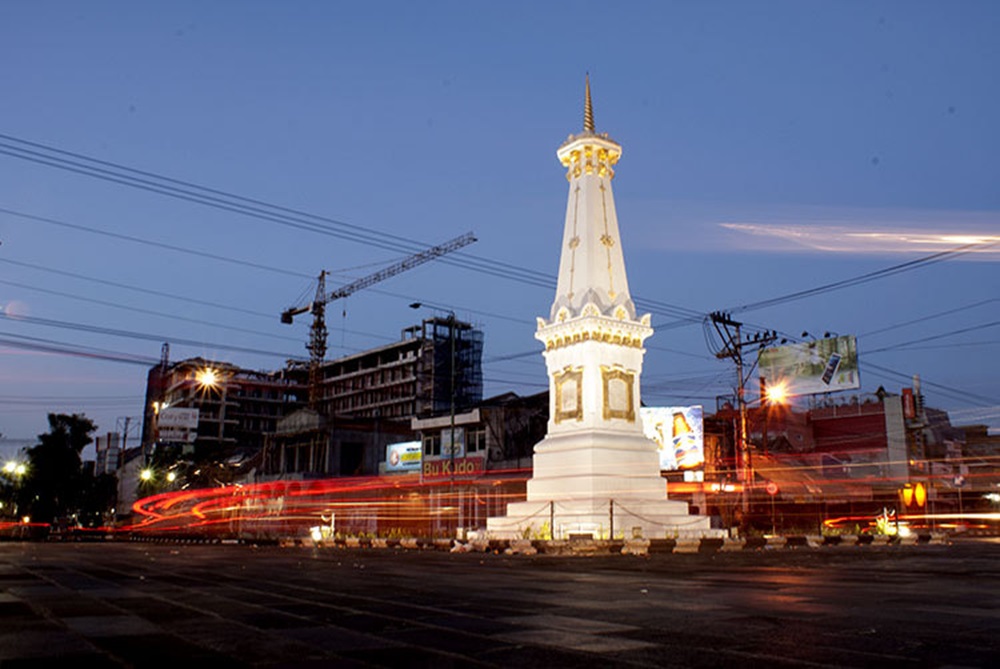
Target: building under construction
(234,408)
(432,363)
(364,402)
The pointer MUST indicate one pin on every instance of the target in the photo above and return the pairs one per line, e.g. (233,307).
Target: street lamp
(15,469)
(770,395)
(208,379)
(777,393)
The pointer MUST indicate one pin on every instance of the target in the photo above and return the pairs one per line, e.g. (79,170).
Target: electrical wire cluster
(684,386)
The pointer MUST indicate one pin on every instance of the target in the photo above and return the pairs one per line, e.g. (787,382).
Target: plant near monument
(542,533)
(887,523)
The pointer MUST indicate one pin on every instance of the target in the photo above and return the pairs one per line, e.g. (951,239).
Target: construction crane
(318,331)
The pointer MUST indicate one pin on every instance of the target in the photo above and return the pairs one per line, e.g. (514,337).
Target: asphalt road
(163,605)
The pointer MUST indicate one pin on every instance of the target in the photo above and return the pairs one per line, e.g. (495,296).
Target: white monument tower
(595,473)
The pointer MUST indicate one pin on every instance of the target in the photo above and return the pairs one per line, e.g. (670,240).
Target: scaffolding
(449,366)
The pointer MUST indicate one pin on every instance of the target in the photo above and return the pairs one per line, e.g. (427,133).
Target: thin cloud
(843,239)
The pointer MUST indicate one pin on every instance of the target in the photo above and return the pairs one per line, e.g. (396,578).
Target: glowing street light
(771,394)
(146,474)
(13,468)
(777,393)
(208,377)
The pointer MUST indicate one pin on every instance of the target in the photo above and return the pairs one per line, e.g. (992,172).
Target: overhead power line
(150,312)
(62,348)
(102,330)
(189,191)
(965,308)
(865,278)
(147,242)
(962,395)
(147,291)
(943,335)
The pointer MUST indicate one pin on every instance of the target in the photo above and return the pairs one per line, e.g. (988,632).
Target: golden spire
(588,110)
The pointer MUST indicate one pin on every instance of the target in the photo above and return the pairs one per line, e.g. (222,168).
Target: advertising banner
(679,434)
(457,449)
(178,435)
(405,456)
(177,425)
(176,417)
(809,368)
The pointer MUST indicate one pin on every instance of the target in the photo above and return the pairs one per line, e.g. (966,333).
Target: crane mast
(318,331)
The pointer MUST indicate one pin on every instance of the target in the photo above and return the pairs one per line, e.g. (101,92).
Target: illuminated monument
(595,473)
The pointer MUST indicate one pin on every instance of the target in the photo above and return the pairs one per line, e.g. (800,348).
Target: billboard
(177,425)
(174,417)
(456,449)
(821,366)
(403,457)
(679,434)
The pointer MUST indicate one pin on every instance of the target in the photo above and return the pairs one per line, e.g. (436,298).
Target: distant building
(412,377)
(109,454)
(366,401)
(499,433)
(859,451)
(235,407)
(308,445)
(132,463)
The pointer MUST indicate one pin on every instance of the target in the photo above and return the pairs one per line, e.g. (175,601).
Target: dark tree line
(55,486)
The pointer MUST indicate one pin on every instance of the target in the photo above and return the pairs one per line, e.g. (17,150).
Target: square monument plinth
(605,484)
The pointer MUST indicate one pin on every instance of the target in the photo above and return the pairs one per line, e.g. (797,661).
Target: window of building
(432,444)
(475,440)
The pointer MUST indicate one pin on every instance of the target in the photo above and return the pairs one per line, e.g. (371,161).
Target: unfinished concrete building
(366,400)
(416,376)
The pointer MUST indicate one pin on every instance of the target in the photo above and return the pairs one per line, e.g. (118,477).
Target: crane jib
(401,266)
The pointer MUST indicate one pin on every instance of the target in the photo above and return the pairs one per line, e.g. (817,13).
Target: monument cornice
(589,153)
(599,329)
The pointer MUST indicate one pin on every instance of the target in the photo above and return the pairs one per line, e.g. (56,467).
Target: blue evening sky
(768,148)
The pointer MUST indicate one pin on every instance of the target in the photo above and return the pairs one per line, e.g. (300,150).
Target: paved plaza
(170,605)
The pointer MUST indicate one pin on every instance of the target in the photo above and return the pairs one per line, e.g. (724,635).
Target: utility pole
(451,336)
(123,424)
(730,332)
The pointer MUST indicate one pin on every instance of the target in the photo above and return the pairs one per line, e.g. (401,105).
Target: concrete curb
(635,547)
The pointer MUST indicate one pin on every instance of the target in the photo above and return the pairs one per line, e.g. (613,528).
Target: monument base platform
(600,519)
(604,484)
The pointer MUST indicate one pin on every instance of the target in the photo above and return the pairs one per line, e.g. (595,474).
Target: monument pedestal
(601,483)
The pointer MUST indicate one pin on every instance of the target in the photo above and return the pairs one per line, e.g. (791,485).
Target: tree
(54,483)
